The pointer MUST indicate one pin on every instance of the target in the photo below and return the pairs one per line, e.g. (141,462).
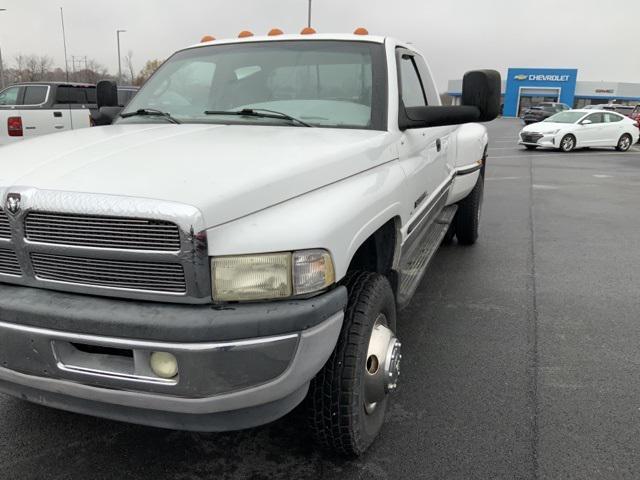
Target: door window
(411,85)
(35,94)
(596,118)
(9,96)
(67,95)
(612,118)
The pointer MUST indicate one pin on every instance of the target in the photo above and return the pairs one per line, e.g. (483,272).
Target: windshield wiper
(150,112)
(260,113)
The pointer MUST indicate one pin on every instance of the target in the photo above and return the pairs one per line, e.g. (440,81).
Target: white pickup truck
(29,110)
(240,240)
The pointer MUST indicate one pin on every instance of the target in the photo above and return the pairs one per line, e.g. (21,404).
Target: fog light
(164,365)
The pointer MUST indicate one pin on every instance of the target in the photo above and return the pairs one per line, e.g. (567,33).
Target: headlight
(270,276)
(552,132)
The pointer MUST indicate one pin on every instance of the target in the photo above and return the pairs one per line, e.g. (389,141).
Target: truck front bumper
(238,366)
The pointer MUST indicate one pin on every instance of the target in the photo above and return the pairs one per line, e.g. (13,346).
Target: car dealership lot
(521,354)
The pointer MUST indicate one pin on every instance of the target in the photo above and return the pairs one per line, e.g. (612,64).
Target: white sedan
(573,129)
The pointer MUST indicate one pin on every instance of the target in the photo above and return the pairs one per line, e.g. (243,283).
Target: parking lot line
(567,155)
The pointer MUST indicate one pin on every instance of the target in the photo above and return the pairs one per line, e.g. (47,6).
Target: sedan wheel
(568,143)
(624,143)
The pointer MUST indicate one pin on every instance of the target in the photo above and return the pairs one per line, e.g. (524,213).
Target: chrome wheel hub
(625,143)
(567,143)
(382,368)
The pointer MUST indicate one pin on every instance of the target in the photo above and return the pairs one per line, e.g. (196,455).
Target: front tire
(624,144)
(347,401)
(467,219)
(568,143)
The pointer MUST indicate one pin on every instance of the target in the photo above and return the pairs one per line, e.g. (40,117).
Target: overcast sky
(456,35)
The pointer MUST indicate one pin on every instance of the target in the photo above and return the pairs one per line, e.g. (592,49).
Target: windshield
(322,83)
(565,117)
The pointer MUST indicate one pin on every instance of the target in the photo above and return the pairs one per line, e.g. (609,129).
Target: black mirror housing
(481,99)
(423,117)
(107,94)
(482,89)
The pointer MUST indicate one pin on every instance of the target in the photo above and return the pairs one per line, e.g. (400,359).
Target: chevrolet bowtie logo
(12,204)
(521,77)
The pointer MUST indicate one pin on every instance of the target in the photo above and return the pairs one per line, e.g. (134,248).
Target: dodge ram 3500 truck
(240,239)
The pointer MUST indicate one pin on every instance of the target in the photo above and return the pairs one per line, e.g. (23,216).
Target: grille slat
(102,232)
(5,228)
(153,277)
(9,263)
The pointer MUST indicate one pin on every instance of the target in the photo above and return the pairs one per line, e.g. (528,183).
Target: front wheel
(348,399)
(568,143)
(624,144)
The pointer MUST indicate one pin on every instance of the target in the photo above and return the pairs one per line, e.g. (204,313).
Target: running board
(414,264)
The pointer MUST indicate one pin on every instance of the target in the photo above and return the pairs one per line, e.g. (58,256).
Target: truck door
(423,151)
(78,100)
(37,117)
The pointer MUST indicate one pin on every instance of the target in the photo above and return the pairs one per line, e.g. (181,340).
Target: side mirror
(586,122)
(108,108)
(107,93)
(480,103)
(481,89)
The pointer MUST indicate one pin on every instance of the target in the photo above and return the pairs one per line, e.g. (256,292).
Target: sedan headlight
(552,132)
(270,276)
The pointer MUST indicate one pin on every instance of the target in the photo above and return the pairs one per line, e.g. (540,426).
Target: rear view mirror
(480,103)
(586,122)
(481,89)
(108,108)
(107,93)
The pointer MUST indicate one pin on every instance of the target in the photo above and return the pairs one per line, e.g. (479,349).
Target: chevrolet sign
(542,78)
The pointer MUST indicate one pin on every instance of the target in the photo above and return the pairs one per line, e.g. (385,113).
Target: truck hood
(225,171)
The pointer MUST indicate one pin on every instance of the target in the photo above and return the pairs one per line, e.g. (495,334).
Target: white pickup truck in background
(29,110)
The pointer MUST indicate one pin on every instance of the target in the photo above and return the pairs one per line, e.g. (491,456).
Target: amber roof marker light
(275,32)
(361,31)
(207,38)
(308,31)
(245,34)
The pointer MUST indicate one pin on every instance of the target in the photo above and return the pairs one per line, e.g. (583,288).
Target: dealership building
(524,87)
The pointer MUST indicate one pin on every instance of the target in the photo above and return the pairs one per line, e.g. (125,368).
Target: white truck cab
(29,110)
(241,238)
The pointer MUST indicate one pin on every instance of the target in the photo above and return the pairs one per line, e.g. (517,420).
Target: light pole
(1,64)
(118,32)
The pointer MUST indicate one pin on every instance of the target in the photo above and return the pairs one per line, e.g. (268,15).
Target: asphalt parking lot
(520,355)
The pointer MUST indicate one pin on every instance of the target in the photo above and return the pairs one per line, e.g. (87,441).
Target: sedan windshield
(317,83)
(565,117)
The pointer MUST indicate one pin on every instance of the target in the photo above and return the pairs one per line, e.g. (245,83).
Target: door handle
(58,127)
(438,145)
(57,114)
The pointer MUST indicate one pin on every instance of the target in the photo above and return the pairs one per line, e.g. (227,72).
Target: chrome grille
(9,263)
(528,137)
(5,229)
(102,232)
(142,276)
